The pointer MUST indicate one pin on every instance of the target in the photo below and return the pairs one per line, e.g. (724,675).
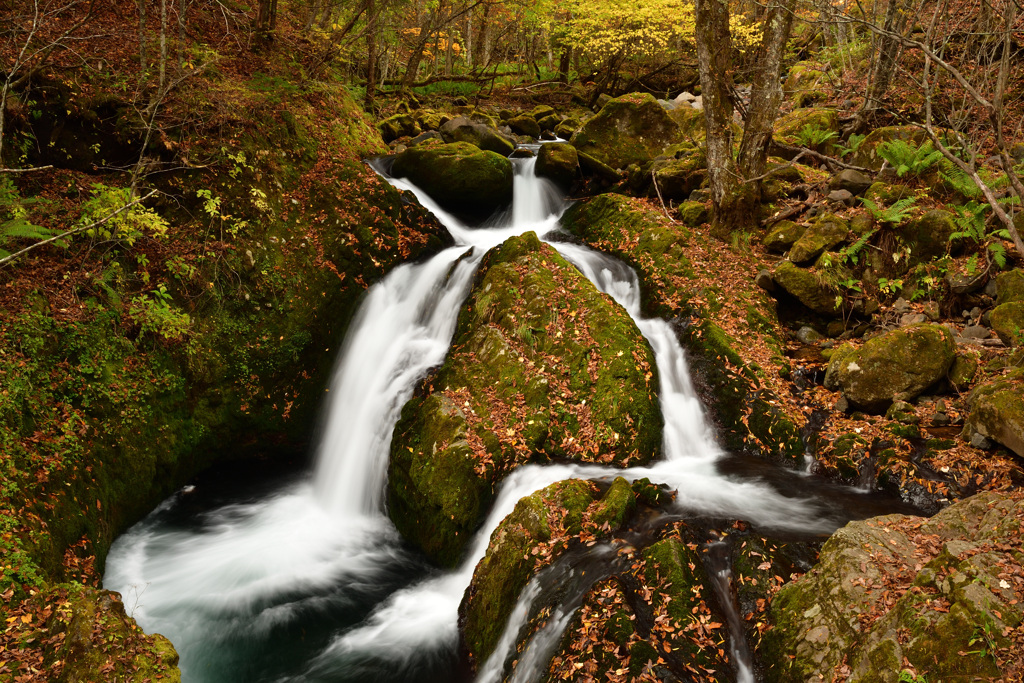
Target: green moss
(616,505)
(630,129)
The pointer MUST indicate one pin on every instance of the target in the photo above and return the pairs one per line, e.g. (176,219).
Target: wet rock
(827,232)
(850,180)
(558,162)
(591,166)
(461,129)
(542,367)
(1007,322)
(1009,287)
(459,176)
(806,288)
(897,365)
(894,591)
(629,129)
(997,412)
(782,237)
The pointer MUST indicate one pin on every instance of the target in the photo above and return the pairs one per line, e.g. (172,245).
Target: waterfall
(311,582)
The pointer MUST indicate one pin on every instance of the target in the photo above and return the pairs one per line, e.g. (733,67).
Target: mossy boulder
(804,79)
(399,126)
(997,412)
(928,236)
(459,176)
(628,130)
(867,153)
(806,287)
(897,365)
(542,367)
(431,119)
(678,178)
(1010,287)
(691,122)
(783,236)
(519,547)
(898,591)
(1007,322)
(693,214)
(542,111)
(486,137)
(524,125)
(559,163)
(88,637)
(796,127)
(824,234)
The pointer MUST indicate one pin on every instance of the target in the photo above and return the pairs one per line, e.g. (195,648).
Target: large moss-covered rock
(691,122)
(804,83)
(398,126)
(1007,321)
(997,412)
(806,287)
(558,162)
(824,234)
(678,178)
(897,365)
(1010,287)
(525,125)
(513,557)
(628,130)
(482,135)
(88,637)
(928,236)
(459,176)
(808,127)
(542,366)
(939,595)
(783,236)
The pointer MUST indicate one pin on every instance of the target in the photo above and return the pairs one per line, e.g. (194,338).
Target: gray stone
(976,332)
(850,180)
(979,441)
(901,305)
(841,196)
(808,335)
(961,283)
(913,319)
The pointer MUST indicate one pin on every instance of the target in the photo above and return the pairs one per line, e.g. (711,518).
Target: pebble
(976,332)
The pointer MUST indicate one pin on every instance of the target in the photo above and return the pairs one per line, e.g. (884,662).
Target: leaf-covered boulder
(806,288)
(559,163)
(997,412)
(1007,322)
(536,531)
(542,366)
(1010,287)
(628,130)
(898,365)
(486,137)
(461,177)
(940,595)
(824,234)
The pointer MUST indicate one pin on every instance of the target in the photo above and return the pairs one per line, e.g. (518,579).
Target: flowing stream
(307,580)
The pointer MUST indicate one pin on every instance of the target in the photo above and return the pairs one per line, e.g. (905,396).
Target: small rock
(808,335)
(836,328)
(979,441)
(901,305)
(991,289)
(850,180)
(976,313)
(765,282)
(842,405)
(960,283)
(913,319)
(976,332)
(522,153)
(684,97)
(841,197)
(931,309)
(940,420)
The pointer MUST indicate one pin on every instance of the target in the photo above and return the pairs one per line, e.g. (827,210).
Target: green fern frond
(21,228)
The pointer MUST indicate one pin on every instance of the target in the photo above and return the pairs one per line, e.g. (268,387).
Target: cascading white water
(248,573)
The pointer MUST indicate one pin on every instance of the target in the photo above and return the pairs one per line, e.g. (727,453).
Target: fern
(20,228)
(856,140)
(852,252)
(897,213)
(959,181)
(905,158)
(970,219)
(812,136)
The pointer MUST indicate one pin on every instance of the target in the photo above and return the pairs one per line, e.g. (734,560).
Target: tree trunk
(714,61)
(143,5)
(163,45)
(766,93)
(886,55)
(563,65)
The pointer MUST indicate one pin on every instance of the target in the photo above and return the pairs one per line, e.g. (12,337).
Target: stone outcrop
(461,177)
(542,366)
(628,130)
